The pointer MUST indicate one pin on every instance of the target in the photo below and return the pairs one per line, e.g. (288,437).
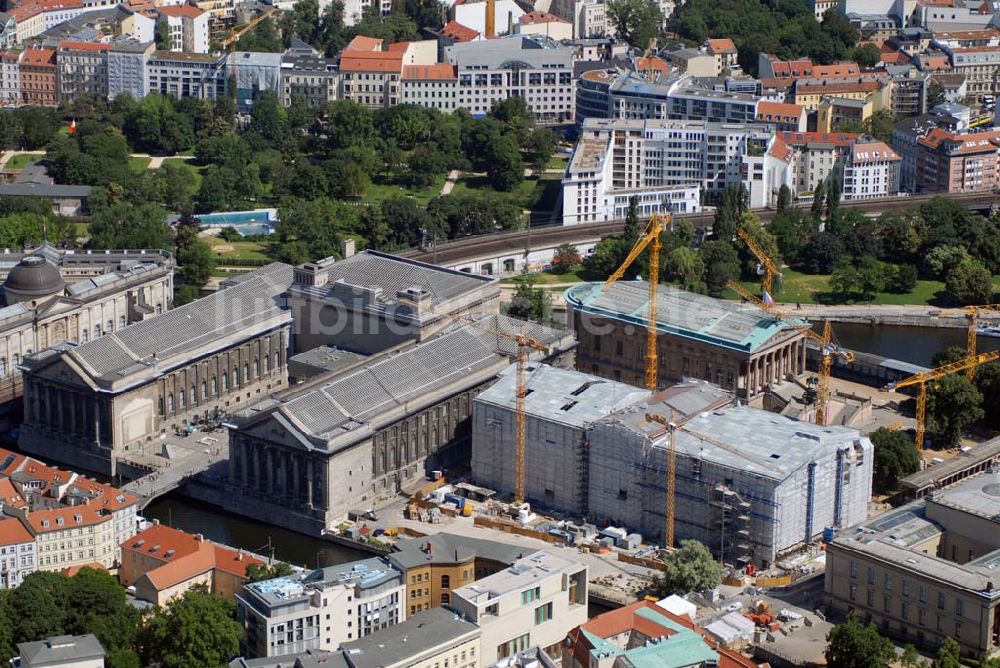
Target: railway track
(547,236)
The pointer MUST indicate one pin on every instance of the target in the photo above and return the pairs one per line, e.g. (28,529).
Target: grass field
(239,250)
(557,162)
(137,163)
(22,160)
(814,289)
(534,193)
(194,169)
(377,192)
(576,275)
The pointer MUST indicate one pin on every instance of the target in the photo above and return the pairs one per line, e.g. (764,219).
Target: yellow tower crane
(767,267)
(650,238)
(828,346)
(921,379)
(972,314)
(229,41)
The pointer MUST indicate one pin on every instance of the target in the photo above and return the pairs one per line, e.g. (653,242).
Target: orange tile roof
(84,46)
(88,516)
(837,87)
(185,568)
(13,532)
(164,539)
(398,47)
(778,83)
(970,143)
(52,5)
(459,32)
(15,459)
(233,561)
(779,110)
(541,17)
(22,13)
(9,496)
(362,43)
(644,64)
(370,61)
(429,72)
(835,138)
(780,149)
(188,555)
(721,46)
(38,57)
(873,151)
(181,11)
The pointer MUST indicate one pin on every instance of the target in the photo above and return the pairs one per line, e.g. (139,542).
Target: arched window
(256,369)
(170,403)
(276,361)
(194,396)
(111,327)
(445,599)
(121,322)
(84,335)
(204,390)
(236,375)
(267,363)
(225,381)
(445,582)
(182,399)
(246,373)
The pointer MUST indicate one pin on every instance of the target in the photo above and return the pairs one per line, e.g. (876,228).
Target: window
(110,327)
(225,381)
(445,599)
(512,647)
(941,601)
(529,595)
(923,594)
(445,582)
(170,403)
(871,598)
(204,390)
(906,588)
(121,321)
(853,591)
(543,613)
(854,569)
(886,603)
(904,610)
(888,582)
(959,607)
(871,575)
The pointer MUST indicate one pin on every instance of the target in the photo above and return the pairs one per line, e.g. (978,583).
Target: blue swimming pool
(247,223)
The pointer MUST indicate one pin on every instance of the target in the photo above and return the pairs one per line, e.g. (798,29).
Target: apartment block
(187,26)
(38,77)
(533,603)
(873,171)
(543,77)
(307,74)
(815,157)
(83,70)
(127,68)
(950,163)
(17,545)
(369,75)
(431,86)
(10,79)
(321,609)
(436,637)
(926,571)
(201,76)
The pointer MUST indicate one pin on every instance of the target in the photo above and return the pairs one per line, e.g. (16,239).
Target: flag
(768,299)
(72,127)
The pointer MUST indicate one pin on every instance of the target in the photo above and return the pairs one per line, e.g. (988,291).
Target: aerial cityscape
(499,333)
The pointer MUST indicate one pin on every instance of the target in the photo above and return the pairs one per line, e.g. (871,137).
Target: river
(214,524)
(916,345)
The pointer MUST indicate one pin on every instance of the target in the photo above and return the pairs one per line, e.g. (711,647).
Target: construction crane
(767,267)
(972,314)
(524,344)
(491,19)
(229,41)
(921,379)
(650,238)
(828,346)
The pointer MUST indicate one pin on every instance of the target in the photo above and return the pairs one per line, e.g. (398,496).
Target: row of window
(212,389)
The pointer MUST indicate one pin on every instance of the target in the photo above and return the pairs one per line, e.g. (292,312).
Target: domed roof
(33,276)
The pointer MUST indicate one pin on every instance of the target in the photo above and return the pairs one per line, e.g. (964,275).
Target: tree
(895,457)
(722,264)
(784,198)
(194,629)
(636,22)
(566,257)
(263,38)
(539,147)
(125,225)
(855,645)
(608,255)
(948,655)
(900,278)
(953,403)
(819,195)
(506,170)
(867,55)
(792,230)
(988,384)
(197,262)
(217,190)
(832,198)
(910,656)
(310,229)
(530,302)
(940,260)
(935,93)
(821,254)
(258,572)
(880,125)
(689,568)
(969,283)
(732,204)
(685,266)
(268,118)
(633,228)
(37,606)
(162,35)
(346,179)
(348,123)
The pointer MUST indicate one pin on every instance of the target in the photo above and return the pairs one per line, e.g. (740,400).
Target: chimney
(314,274)
(347,248)
(239,556)
(156,522)
(198,537)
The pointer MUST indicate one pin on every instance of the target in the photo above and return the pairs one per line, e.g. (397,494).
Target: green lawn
(138,164)
(576,275)
(22,160)
(557,162)
(537,194)
(194,169)
(381,190)
(813,289)
(239,250)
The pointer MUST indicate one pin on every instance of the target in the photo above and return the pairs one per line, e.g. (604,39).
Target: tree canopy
(689,568)
(856,645)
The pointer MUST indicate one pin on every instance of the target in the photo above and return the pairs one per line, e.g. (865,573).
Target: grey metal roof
(181,331)
(327,358)
(973,457)
(366,573)
(43,190)
(81,288)
(278,272)
(61,650)
(423,632)
(742,438)
(450,548)
(535,50)
(978,495)
(561,395)
(313,658)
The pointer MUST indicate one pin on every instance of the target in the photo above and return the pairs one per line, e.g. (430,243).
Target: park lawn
(22,160)
(534,193)
(558,161)
(138,163)
(577,274)
(238,250)
(381,190)
(194,169)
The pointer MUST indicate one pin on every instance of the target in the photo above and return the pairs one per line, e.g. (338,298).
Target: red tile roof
(45,521)
(84,46)
(15,459)
(184,556)
(371,61)
(38,57)
(181,11)
(13,532)
(977,142)
(73,570)
(53,5)
(779,149)
(837,86)
(541,17)
(362,43)
(645,64)
(9,496)
(459,32)
(873,151)
(721,46)
(778,110)
(429,72)
(835,138)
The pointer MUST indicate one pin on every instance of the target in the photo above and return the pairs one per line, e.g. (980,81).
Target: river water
(916,345)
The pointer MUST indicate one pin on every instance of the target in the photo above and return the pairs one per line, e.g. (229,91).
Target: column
(296,473)
(258,482)
(309,482)
(802,356)
(97,422)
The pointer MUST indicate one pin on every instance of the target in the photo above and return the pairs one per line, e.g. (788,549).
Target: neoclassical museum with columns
(735,346)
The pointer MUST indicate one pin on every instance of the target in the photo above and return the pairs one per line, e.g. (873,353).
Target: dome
(31,278)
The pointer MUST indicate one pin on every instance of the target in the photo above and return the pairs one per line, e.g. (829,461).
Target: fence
(482,521)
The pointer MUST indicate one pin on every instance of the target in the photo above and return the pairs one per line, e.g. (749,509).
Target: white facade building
(873,171)
(321,609)
(533,603)
(354,10)
(188,27)
(17,553)
(10,79)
